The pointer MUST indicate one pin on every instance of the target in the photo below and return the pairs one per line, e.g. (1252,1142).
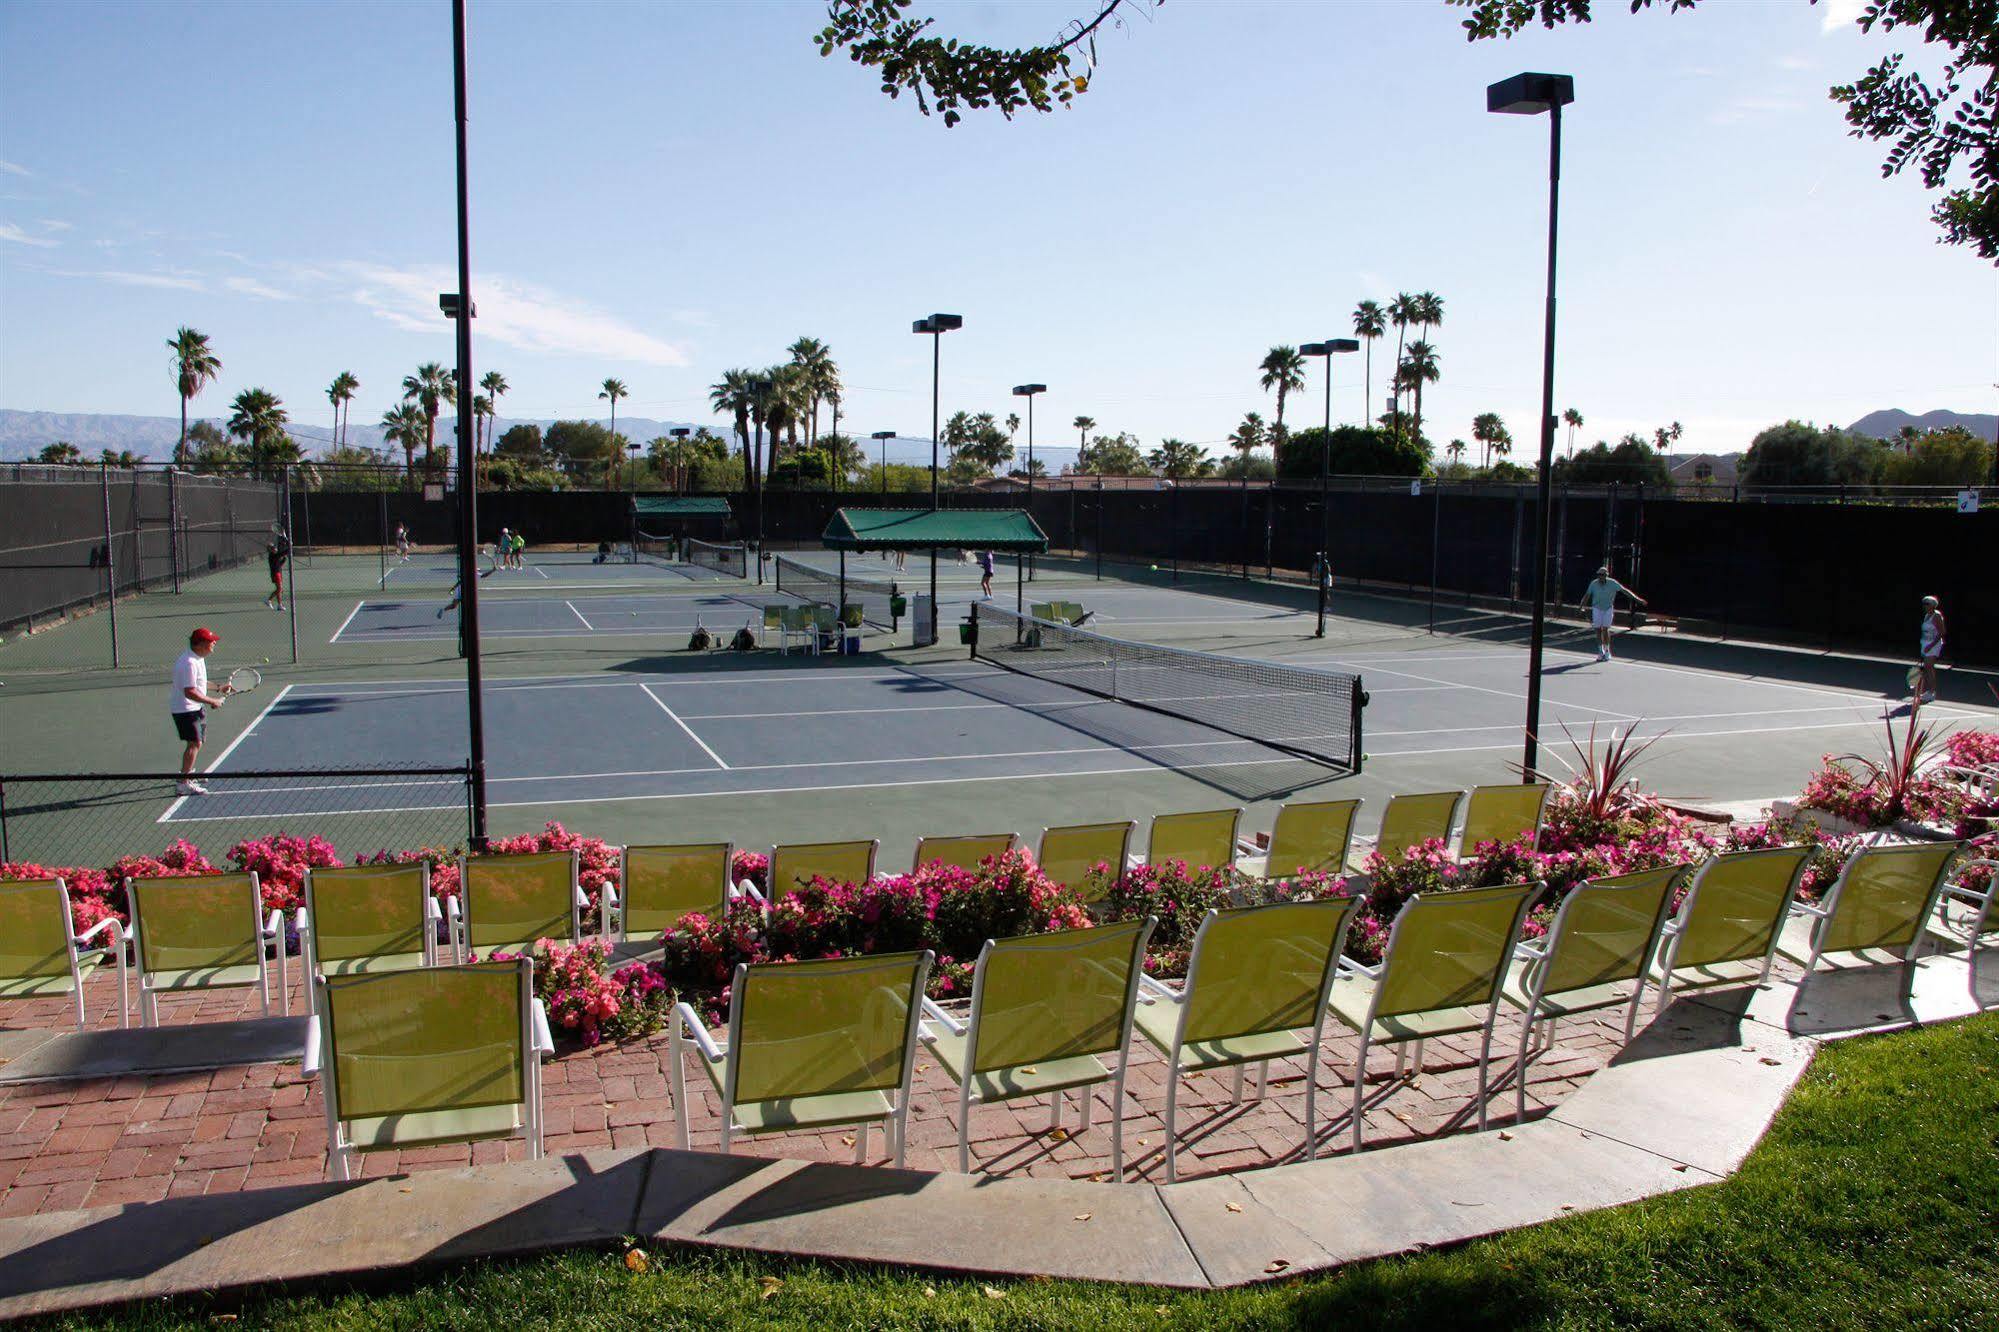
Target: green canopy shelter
(668,518)
(1002,531)
(680,506)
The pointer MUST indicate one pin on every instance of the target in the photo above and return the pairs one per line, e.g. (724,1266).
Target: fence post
(1100,530)
(1561,542)
(1513,554)
(110,561)
(173,524)
(382,535)
(1436,529)
(5,854)
(291,560)
(1173,524)
(1269,521)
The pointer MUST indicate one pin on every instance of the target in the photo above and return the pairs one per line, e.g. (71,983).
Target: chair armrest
(582,898)
(1807,909)
(1160,989)
(931,1010)
(1529,952)
(274,924)
(1372,973)
(309,1063)
(609,898)
(751,891)
(301,921)
(431,911)
(108,923)
(544,1040)
(1673,929)
(691,1020)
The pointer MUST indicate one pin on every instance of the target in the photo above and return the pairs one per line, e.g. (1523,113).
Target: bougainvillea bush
(588,1000)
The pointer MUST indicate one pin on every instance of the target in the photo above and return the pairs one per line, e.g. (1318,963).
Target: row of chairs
(212,932)
(803,626)
(415,1052)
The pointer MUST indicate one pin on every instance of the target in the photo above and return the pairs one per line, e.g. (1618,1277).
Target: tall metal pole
(1531,758)
(1325,503)
(468,496)
(291,563)
(1030,480)
(936,367)
(110,562)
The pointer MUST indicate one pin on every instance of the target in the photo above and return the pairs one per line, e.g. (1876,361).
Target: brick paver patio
(87,1142)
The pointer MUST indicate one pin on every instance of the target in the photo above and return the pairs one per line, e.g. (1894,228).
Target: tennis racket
(242,680)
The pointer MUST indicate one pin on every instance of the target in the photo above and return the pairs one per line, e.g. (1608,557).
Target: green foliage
(1356,451)
(62,451)
(1251,467)
(959,75)
(1113,455)
(522,441)
(583,449)
(1180,460)
(1630,462)
(804,469)
(347,467)
(978,445)
(903,478)
(1798,454)
(1952,456)
(1493,438)
(507,472)
(1932,121)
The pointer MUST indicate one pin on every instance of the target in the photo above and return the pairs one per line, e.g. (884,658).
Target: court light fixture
(1330,348)
(1028,391)
(936,326)
(882,437)
(1530,95)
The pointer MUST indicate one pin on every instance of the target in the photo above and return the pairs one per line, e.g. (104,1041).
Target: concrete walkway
(1682,1105)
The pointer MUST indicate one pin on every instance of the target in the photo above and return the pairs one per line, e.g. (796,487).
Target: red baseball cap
(204,635)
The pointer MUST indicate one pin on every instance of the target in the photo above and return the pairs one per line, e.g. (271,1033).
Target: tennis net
(876,599)
(728,558)
(1312,714)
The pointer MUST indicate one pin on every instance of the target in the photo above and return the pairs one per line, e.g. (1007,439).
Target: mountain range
(1888,424)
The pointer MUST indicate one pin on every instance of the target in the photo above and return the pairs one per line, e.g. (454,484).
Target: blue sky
(661,192)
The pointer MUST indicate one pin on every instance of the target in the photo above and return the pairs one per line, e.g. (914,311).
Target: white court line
(349,620)
(1502,693)
(579,615)
(538,569)
(227,750)
(1674,735)
(757,790)
(684,726)
(942,670)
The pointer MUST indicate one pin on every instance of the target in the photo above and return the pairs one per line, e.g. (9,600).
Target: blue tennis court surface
(613,736)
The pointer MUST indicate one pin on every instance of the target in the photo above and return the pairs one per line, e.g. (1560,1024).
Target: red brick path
(136,1139)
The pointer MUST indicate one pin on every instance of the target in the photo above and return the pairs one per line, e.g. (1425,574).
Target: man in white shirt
(189,697)
(1600,598)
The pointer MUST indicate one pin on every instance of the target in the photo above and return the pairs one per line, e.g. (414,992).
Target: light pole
(936,325)
(459,308)
(1328,349)
(1530,95)
(632,477)
(883,437)
(680,434)
(1028,391)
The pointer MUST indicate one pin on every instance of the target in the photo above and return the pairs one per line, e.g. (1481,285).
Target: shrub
(583,996)
(280,862)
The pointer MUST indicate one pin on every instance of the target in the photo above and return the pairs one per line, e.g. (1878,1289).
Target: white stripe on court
(579,615)
(684,726)
(227,750)
(349,620)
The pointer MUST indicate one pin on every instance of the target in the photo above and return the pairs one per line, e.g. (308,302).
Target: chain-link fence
(94,819)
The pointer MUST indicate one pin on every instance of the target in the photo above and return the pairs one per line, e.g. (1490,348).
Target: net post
(841,612)
(110,561)
(1323,576)
(1359,705)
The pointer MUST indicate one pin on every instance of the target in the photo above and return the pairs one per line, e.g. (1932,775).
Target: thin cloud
(514,313)
(55,224)
(10,232)
(1840,13)
(164,281)
(1795,62)
(13,169)
(251,287)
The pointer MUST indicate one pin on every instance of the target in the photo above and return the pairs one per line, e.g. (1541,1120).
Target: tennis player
(189,698)
(274,554)
(403,542)
(986,575)
(1931,647)
(1601,599)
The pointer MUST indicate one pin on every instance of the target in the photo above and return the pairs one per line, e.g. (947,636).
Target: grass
(1873,1202)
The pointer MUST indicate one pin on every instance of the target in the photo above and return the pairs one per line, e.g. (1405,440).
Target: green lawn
(1873,1203)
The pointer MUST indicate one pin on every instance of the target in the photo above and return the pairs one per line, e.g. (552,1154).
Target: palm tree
(1491,433)
(1246,440)
(1084,425)
(1402,312)
(429,388)
(62,451)
(405,425)
(1456,448)
(1369,323)
(615,389)
(496,387)
(194,365)
(258,419)
(1284,370)
(1429,311)
(1419,367)
(341,394)
(1574,420)
(732,394)
(482,408)
(1176,458)
(784,402)
(821,379)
